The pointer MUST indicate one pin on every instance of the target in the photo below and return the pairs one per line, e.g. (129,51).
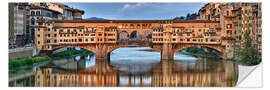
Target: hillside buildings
(243,16)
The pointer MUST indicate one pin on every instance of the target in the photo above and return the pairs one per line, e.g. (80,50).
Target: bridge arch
(217,48)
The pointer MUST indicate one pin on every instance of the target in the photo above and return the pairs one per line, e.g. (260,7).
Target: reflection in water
(165,73)
(176,73)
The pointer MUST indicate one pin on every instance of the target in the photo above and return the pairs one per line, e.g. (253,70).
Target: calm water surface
(131,66)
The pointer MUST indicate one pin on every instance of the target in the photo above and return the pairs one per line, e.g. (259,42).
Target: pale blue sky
(149,11)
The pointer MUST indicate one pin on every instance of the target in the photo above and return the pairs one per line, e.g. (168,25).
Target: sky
(136,11)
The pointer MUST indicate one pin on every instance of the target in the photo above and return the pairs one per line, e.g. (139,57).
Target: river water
(133,66)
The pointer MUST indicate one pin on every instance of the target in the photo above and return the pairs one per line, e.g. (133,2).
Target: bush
(199,52)
(69,53)
(249,62)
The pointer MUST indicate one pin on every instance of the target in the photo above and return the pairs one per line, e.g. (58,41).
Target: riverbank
(21,65)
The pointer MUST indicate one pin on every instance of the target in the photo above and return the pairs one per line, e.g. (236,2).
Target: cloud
(133,6)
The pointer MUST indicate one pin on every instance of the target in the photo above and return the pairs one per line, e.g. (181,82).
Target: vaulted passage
(123,35)
(134,35)
(146,35)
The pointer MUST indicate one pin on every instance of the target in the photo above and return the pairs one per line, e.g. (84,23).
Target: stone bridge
(165,36)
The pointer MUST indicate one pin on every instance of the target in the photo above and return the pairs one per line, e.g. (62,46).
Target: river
(133,66)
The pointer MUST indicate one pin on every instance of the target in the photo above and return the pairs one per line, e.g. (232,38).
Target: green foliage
(70,53)
(29,61)
(248,54)
(199,52)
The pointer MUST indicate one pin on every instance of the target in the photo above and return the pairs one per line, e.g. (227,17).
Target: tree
(248,54)
(179,18)
(188,16)
(182,17)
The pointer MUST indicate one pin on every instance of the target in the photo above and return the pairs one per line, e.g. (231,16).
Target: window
(99,34)
(37,12)
(229,26)
(38,35)
(206,40)
(49,29)
(32,21)
(55,41)
(32,12)
(49,35)
(55,35)
(212,40)
(86,40)
(229,32)
(138,25)
(38,42)
(188,40)
(61,30)
(181,39)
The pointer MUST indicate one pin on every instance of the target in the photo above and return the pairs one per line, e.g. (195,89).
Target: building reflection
(217,74)
(102,74)
(200,73)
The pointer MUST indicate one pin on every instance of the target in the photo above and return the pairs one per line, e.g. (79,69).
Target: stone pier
(167,52)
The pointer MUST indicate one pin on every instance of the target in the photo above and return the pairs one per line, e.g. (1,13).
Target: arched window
(32,21)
